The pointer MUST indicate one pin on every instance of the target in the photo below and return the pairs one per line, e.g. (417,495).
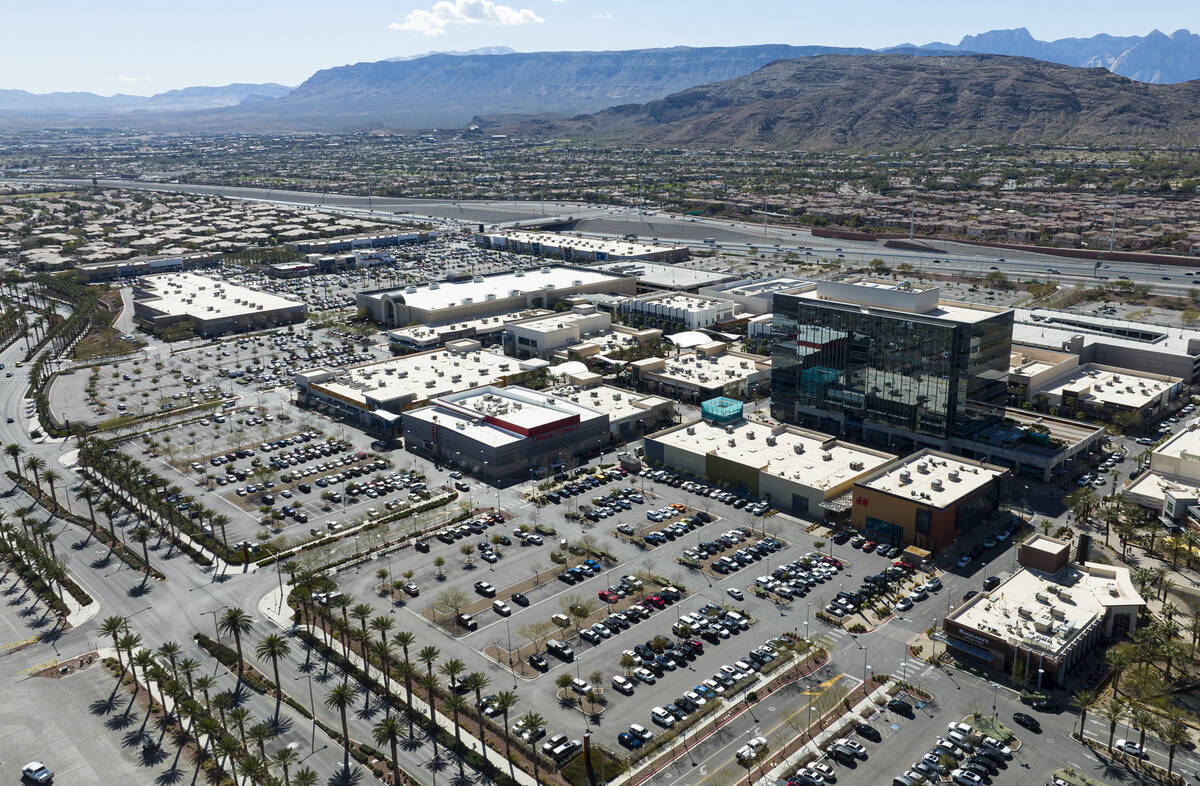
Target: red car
(868,546)
(608,597)
(656,602)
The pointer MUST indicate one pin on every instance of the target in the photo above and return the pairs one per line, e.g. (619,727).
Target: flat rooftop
(616,248)
(1093,384)
(714,369)
(1152,487)
(667,276)
(933,479)
(434,295)
(420,376)
(421,333)
(1044,327)
(808,467)
(1184,445)
(947,310)
(618,403)
(1049,611)
(551,322)
(503,416)
(205,297)
(763,286)
(683,302)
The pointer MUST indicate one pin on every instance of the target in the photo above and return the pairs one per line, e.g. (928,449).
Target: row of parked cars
(752,506)
(587,481)
(965,756)
(748,555)
(723,680)
(794,579)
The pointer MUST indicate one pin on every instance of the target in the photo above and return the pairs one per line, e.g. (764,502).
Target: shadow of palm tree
(345,776)
(279,724)
(118,722)
(138,590)
(104,706)
(169,776)
(411,744)
(437,763)
(462,779)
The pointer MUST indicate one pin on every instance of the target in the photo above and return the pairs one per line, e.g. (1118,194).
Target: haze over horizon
(139,48)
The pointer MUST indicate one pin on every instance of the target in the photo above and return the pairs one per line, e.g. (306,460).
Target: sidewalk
(270,606)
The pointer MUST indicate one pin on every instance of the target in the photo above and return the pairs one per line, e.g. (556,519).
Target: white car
(904,604)
(965,778)
(645,675)
(37,772)
(995,744)
(854,745)
(662,717)
(622,684)
(961,728)
(1131,747)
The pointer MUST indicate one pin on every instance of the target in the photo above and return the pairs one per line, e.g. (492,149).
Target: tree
(52,476)
(505,701)
(114,627)
(387,730)
(428,656)
(1113,711)
(274,646)
(451,669)
(340,697)
(141,534)
(1084,700)
(306,776)
(14,451)
(361,613)
(284,758)
(531,722)
(429,683)
(1174,733)
(236,622)
(477,682)
(1118,659)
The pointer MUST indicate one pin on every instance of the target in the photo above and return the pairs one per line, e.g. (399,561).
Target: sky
(141,47)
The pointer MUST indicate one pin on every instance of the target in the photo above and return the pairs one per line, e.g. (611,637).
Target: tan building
(796,470)
(928,499)
(1040,622)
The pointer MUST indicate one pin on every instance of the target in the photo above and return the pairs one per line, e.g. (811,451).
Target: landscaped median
(1141,766)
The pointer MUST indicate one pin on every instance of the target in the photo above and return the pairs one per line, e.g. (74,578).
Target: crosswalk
(918,672)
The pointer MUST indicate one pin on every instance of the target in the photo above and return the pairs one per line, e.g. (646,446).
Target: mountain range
(185,99)
(450,89)
(895,100)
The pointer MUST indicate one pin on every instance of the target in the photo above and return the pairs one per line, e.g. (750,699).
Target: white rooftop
(205,297)
(1185,445)
(618,403)
(496,416)
(754,445)
(445,294)
(481,325)
(933,479)
(667,276)
(1055,328)
(683,302)
(615,248)
(712,370)
(1048,611)
(421,376)
(1096,385)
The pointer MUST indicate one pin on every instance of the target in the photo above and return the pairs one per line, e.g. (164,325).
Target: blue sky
(135,46)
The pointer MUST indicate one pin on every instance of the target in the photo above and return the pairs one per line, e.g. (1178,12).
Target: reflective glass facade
(861,370)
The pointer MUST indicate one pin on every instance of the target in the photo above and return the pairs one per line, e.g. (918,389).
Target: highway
(738,237)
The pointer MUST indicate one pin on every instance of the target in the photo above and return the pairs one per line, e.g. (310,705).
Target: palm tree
(505,701)
(1113,712)
(384,650)
(456,704)
(1142,718)
(388,730)
(141,534)
(259,733)
(477,681)
(52,476)
(170,650)
(1173,733)
(204,684)
(274,647)
(223,702)
(35,465)
(188,667)
(14,451)
(1119,659)
(114,627)
(284,758)
(306,777)
(382,625)
(128,642)
(1084,700)
(362,612)
(239,715)
(235,621)
(429,683)
(532,722)
(88,494)
(341,696)
(451,669)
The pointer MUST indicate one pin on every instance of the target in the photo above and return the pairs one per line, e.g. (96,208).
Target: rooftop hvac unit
(798,448)
(856,465)
(771,441)
(922,467)
(519,274)
(477,279)
(402,374)
(430,383)
(1058,613)
(1043,597)
(729,429)
(732,442)
(545,270)
(490,296)
(954,476)
(936,485)
(380,383)
(577,283)
(468,300)
(905,476)
(749,435)
(456,378)
(691,430)
(434,285)
(460,426)
(1064,595)
(826,457)
(410,289)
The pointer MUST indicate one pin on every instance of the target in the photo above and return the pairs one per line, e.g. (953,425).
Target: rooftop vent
(856,465)
(826,457)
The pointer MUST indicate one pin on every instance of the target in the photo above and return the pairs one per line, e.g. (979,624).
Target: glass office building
(888,362)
